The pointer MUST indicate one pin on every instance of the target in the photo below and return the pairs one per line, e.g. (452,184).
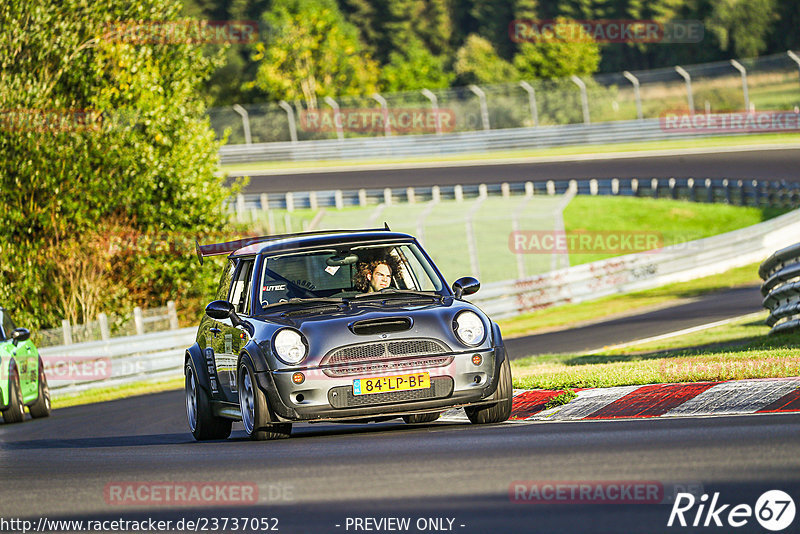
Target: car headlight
(290,346)
(469,328)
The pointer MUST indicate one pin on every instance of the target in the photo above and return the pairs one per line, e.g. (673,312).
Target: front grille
(384,350)
(387,366)
(342,396)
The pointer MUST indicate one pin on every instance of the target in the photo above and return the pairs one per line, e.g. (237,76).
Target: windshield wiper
(391,293)
(306,302)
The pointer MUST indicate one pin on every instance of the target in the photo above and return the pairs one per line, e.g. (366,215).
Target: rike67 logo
(774,510)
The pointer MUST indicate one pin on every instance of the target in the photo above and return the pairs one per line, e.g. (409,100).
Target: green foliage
(414,68)
(558,54)
(741,26)
(101,137)
(311,52)
(478,63)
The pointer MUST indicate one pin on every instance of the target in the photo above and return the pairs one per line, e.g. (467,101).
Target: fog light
(298,378)
(477,379)
(477,359)
(300,398)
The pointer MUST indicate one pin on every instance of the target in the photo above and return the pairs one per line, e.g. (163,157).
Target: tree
(312,52)
(557,54)
(103,135)
(478,63)
(413,69)
(741,26)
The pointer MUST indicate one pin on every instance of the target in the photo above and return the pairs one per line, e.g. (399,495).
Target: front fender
(5,383)
(205,367)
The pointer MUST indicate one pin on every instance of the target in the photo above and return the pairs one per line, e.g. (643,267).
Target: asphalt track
(776,164)
(703,310)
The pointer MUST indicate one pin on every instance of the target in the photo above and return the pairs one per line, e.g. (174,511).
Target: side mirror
(466,285)
(221,310)
(19,335)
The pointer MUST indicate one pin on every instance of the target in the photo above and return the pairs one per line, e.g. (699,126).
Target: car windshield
(346,272)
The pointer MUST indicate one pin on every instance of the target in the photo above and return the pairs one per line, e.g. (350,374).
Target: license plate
(388,384)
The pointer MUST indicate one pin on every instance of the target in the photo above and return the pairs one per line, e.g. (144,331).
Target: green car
(22,379)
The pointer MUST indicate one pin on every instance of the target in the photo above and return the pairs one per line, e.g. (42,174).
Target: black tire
(256,417)
(202,422)
(419,418)
(41,408)
(496,413)
(15,413)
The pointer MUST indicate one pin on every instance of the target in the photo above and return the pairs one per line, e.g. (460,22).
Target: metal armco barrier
(639,271)
(456,143)
(781,288)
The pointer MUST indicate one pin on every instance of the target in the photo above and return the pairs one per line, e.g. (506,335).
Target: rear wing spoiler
(218,249)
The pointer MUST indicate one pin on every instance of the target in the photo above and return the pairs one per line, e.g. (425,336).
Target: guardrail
(79,367)
(457,143)
(639,271)
(781,288)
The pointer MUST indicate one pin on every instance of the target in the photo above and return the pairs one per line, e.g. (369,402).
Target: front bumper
(455,381)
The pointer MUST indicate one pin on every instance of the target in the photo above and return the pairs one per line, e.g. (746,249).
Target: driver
(373,276)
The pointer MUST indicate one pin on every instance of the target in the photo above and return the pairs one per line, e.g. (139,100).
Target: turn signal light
(298,378)
(477,359)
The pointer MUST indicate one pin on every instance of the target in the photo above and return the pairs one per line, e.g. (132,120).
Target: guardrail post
(573,186)
(245,122)
(66,329)
(756,193)
(505,190)
(483,191)
(709,191)
(412,198)
(742,193)
(337,117)
(785,200)
(271,222)
(484,108)
(458,191)
(726,186)
(362,197)
(436,194)
(387,196)
(529,190)
(654,187)
(427,93)
(635,187)
(138,320)
(240,209)
(531,102)
(105,332)
(738,66)
(692,193)
(290,118)
(173,315)
(615,186)
(551,187)
(312,200)
(584,97)
(688,79)
(264,201)
(289,201)
(794,58)
(673,191)
(635,81)
(593,187)
(387,128)
(338,200)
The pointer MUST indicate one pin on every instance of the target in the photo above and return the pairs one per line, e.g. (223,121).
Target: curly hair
(363,269)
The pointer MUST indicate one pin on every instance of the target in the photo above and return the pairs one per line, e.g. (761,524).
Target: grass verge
(643,146)
(734,351)
(117,392)
(569,315)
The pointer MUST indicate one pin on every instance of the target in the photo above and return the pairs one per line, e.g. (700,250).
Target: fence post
(427,93)
(794,58)
(483,191)
(756,193)
(362,197)
(173,315)
(387,128)
(551,187)
(635,81)
(245,122)
(654,187)
(529,190)
(738,66)
(338,200)
(690,184)
(505,190)
(312,200)
(240,207)
(484,109)
(436,194)
(709,191)
(635,187)
(584,98)
(105,332)
(138,320)
(593,187)
(387,196)
(289,201)
(337,117)
(67,331)
(290,118)
(742,193)
(264,201)
(673,190)
(531,102)
(727,188)
(685,75)
(412,198)
(615,186)
(458,191)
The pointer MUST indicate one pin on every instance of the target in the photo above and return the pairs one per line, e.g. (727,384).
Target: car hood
(331,330)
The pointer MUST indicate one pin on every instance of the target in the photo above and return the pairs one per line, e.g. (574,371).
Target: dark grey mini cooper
(342,326)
